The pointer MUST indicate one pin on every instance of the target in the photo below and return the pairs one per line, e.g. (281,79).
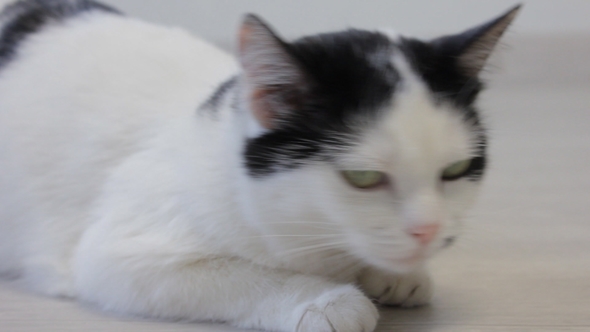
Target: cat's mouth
(422,254)
(419,256)
(408,263)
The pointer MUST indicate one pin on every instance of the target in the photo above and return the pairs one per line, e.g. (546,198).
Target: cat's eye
(364,179)
(456,170)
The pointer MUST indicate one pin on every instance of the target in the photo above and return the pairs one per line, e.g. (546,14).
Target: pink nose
(424,234)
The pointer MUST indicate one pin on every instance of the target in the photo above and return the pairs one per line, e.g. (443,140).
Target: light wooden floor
(523,263)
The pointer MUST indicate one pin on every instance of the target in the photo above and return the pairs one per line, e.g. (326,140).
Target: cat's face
(365,144)
(419,170)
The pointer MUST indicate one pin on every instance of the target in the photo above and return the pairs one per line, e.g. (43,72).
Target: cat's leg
(406,290)
(137,278)
(48,250)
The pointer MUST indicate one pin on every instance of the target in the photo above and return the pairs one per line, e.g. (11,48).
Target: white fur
(115,191)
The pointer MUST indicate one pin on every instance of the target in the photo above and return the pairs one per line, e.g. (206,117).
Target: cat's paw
(342,309)
(406,290)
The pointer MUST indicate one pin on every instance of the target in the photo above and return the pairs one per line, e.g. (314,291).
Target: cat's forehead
(371,101)
(355,72)
(371,78)
(351,70)
(415,128)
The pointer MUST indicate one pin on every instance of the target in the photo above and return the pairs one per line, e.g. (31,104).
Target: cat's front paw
(342,309)
(406,290)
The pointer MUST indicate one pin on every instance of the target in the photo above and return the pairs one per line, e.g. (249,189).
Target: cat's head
(362,141)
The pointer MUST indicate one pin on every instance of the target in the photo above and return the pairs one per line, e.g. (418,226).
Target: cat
(146,172)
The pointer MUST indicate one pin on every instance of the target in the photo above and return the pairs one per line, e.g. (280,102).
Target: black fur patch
(212,104)
(351,78)
(26,17)
(478,166)
(437,64)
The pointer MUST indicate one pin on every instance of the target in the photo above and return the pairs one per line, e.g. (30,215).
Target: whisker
(294,236)
(303,223)
(311,248)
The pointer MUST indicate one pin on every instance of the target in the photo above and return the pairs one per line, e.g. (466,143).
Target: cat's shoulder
(23,18)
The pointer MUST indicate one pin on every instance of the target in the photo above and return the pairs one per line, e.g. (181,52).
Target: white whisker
(311,249)
(295,236)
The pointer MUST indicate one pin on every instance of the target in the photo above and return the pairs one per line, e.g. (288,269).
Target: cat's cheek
(460,197)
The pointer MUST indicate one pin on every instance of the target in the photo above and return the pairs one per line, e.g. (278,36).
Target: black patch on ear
(27,17)
(437,64)
(451,64)
(351,78)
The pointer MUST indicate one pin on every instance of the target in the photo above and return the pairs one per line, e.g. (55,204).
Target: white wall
(217,20)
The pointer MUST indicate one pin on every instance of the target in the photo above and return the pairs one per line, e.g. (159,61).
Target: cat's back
(92,51)
(82,86)
(76,75)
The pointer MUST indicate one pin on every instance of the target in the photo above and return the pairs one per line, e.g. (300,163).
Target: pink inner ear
(261,108)
(275,81)
(245,33)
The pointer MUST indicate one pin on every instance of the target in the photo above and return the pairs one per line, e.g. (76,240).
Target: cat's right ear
(275,82)
(472,48)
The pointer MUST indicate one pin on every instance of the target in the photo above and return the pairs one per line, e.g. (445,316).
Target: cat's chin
(401,265)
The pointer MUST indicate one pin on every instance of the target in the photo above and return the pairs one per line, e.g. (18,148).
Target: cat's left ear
(275,82)
(473,47)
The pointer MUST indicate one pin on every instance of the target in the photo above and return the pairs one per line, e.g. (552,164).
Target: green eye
(364,179)
(456,170)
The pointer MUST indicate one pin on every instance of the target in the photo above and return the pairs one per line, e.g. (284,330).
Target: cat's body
(135,176)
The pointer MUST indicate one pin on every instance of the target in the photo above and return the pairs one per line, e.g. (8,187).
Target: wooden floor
(523,263)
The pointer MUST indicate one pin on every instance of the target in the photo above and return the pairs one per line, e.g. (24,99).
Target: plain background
(217,20)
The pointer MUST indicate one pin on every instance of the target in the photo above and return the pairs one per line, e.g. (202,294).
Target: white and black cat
(147,172)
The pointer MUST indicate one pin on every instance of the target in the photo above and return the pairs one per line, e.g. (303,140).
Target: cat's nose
(424,234)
